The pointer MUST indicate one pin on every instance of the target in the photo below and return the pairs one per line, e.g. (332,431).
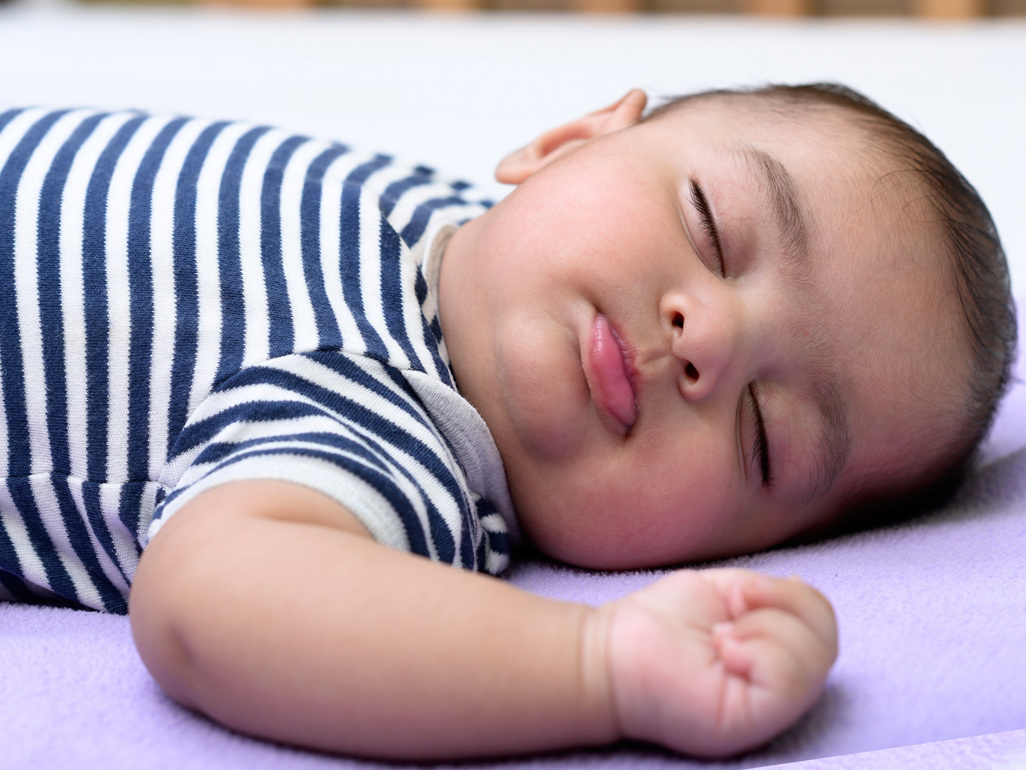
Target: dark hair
(979,268)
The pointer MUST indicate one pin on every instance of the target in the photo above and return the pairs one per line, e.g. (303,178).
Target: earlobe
(521,164)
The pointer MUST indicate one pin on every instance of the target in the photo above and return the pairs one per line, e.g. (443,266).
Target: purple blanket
(932,616)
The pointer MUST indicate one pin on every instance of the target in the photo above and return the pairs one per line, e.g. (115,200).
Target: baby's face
(702,335)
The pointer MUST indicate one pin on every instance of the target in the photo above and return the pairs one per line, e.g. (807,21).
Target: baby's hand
(714,662)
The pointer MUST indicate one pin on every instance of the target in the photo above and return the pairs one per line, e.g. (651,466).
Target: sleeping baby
(264,393)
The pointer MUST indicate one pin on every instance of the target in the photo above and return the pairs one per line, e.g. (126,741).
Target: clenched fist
(714,662)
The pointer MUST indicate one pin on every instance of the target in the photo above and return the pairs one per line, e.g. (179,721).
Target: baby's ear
(519,165)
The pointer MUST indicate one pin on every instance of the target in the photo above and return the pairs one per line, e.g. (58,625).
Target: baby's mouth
(610,380)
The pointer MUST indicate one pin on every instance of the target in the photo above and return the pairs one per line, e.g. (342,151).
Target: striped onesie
(185,303)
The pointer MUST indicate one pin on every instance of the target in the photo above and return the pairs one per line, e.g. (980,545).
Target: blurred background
(948,9)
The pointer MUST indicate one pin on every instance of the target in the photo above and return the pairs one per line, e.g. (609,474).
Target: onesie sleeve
(351,428)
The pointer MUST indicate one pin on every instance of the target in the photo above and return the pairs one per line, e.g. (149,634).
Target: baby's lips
(613,389)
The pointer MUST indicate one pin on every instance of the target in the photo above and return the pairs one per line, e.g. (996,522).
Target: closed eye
(707,224)
(760,445)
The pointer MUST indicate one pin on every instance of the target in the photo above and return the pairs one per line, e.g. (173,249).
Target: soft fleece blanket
(932,612)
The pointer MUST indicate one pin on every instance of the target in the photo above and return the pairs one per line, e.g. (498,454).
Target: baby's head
(737,320)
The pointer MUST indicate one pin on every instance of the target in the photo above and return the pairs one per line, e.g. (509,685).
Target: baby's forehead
(809,127)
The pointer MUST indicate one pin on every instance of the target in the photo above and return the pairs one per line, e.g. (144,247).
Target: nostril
(678,320)
(691,372)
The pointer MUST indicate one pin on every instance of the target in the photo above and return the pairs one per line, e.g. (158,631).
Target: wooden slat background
(936,9)
(953,9)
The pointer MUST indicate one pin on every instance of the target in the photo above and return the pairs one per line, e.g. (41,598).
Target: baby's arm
(267,606)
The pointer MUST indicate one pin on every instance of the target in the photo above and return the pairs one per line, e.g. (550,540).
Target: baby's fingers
(775,667)
(775,649)
(752,591)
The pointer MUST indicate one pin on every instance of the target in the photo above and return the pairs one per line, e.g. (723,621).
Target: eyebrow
(835,441)
(778,185)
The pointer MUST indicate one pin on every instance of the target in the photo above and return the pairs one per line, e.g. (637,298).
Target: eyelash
(760,447)
(706,222)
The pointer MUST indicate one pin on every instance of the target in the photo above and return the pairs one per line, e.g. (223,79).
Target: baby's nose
(704,343)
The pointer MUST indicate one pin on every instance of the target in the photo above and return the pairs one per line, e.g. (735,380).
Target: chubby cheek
(628,521)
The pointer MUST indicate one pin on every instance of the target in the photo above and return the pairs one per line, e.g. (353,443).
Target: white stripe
(370,276)
(208,269)
(49,508)
(334,477)
(414,318)
(119,365)
(365,502)
(429,484)
(162,225)
(304,321)
(331,249)
(124,538)
(397,460)
(72,287)
(406,206)
(31,565)
(254,292)
(26,280)
(110,569)
(15,131)
(330,380)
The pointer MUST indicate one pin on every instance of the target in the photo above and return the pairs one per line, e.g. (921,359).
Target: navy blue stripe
(363,172)
(350,256)
(342,365)
(186,280)
(204,431)
(140,290)
(57,577)
(94,513)
(129,506)
(393,291)
(8,116)
(378,433)
(355,414)
(414,229)
(433,331)
(18,446)
(328,332)
(17,588)
(470,537)
(233,310)
(81,543)
(397,189)
(97,316)
(220,451)
(498,542)
(280,336)
(383,483)
(51,316)
(9,561)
